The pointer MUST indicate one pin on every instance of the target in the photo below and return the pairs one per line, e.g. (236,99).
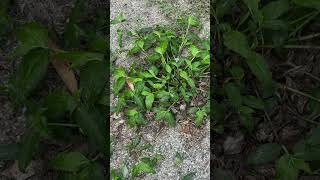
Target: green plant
(61,115)
(244,86)
(174,64)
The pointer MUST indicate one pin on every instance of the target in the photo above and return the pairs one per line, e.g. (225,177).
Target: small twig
(291,46)
(298,92)
(63,124)
(307,37)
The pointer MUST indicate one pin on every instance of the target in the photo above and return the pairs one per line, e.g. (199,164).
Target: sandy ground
(185,139)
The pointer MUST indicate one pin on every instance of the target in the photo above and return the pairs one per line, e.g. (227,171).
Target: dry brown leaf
(130,84)
(64,71)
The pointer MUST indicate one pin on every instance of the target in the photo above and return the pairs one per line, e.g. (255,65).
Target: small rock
(233,145)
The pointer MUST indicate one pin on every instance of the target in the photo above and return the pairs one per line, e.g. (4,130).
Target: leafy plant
(60,113)
(174,65)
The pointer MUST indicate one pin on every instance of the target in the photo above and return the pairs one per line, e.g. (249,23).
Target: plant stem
(63,125)
(298,92)
(307,37)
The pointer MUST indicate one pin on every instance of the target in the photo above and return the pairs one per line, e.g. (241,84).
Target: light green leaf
(119,72)
(135,118)
(166,115)
(264,153)
(119,19)
(119,85)
(168,68)
(142,168)
(149,101)
(71,161)
(200,115)
(192,21)
(194,50)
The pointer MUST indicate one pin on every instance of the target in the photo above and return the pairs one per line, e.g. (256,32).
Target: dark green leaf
(253,6)
(264,153)
(233,93)
(92,122)
(58,103)
(93,79)
(166,115)
(71,161)
(253,102)
(309,148)
(222,174)
(189,176)
(308,3)
(31,36)
(200,115)
(275,9)
(91,171)
(287,167)
(237,42)
(79,59)
(30,72)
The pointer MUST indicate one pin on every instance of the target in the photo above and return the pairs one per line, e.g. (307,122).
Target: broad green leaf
(79,59)
(185,76)
(5,20)
(119,84)
(153,58)
(8,151)
(237,72)
(288,167)
(135,118)
(275,9)
(223,7)
(264,153)
(276,25)
(189,176)
(233,93)
(57,104)
(30,72)
(309,148)
(73,35)
(192,21)
(246,118)
(36,131)
(140,43)
(70,161)
(92,171)
(119,72)
(166,115)
(200,115)
(168,68)
(253,102)
(135,50)
(237,42)
(222,174)
(253,6)
(163,47)
(142,168)
(93,79)
(308,3)
(92,122)
(31,36)
(119,19)
(260,69)
(194,50)
(149,101)
(138,100)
